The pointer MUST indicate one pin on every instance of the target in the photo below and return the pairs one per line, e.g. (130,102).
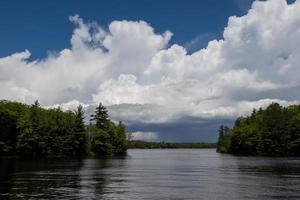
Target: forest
(138,144)
(273,131)
(35,132)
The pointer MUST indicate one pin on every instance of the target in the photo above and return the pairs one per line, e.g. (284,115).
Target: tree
(30,134)
(221,131)
(33,131)
(273,131)
(79,119)
(27,144)
(101,117)
(8,132)
(107,138)
(100,141)
(223,139)
(35,116)
(79,133)
(120,144)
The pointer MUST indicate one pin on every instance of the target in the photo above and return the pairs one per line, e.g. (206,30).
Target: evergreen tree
(108,138)
(274,131)
(225,130)
(223,137)
(79,115)
(27,144)
(221,132)
(32,131)
(121,140)
(101,117)
(8,132)
(35,117)
(80,137)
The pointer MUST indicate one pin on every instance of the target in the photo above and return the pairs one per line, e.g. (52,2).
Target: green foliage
(9,115)
(79,132)
(274,131)
(100,141)
(106,138)
(32,131)
(223,139)
(101,117)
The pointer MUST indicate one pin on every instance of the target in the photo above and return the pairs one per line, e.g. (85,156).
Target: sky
(171,70)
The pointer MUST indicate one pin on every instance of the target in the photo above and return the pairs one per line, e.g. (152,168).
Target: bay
(153,174)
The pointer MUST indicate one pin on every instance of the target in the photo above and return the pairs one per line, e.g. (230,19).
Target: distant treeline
(138,144)
(32,131)
(274,131)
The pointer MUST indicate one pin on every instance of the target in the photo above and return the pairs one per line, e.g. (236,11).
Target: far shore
(139,144)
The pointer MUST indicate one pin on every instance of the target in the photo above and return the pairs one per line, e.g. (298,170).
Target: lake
(153,174)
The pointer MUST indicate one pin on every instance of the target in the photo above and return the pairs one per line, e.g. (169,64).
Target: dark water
(153,174)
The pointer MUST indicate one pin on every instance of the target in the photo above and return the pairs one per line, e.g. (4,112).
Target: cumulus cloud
(141,77)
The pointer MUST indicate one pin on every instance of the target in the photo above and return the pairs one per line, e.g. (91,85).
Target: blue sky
(42,26)
(171,70)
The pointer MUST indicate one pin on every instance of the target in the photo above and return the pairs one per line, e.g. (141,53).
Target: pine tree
(35,116)
(121,139)
(27,140)
(32,131)
(221,132)
(79,133)
(79,113)
(101,117)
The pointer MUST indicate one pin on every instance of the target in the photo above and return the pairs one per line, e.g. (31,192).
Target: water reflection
(39,179)
(153,174)
(7,168)
(93,178)
(262,177)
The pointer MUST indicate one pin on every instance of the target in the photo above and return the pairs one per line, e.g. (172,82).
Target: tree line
(274,131)
(33,131)
(138,144)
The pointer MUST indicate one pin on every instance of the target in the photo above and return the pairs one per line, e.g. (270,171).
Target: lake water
(153,174)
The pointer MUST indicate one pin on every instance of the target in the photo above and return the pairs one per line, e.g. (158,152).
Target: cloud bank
(145,136)
(141,77)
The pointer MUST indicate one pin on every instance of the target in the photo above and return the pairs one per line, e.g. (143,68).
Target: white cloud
(142,78)
(71,105)
(145,136)
(241,108)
